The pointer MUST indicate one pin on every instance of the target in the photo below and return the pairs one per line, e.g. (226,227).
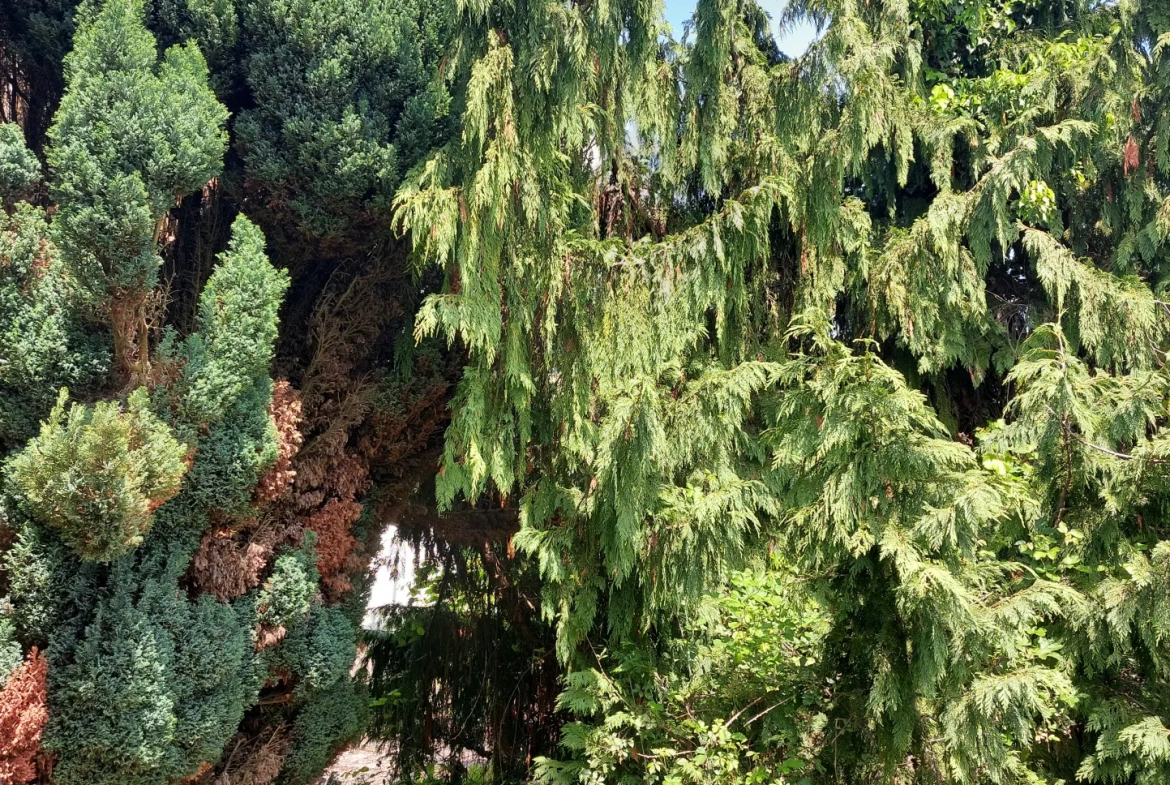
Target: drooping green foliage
(806,414)
(738,697)
(806,268)
(473,660)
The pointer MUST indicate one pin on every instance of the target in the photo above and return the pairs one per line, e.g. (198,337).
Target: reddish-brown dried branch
(23,714)
(285,411)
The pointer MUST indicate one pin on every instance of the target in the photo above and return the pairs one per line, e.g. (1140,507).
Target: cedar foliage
(743,301)
(803,418)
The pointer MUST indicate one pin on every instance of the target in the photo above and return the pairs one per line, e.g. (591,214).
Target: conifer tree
(912,211)
(96,475)
(133,134)
(818,402)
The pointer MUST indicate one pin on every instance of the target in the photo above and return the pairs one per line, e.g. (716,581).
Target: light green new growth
(97,473)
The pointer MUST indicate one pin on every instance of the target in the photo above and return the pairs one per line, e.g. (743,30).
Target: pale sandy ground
(347,769)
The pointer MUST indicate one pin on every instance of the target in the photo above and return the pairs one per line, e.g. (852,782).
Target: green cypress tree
(111,714)
(133,134)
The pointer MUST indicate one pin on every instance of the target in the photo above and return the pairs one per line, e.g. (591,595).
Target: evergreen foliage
(287,595)
(345,104)
(473,661)
(806,417)
(739,697)
(319,649)
(782,261)
(19,167)
(45,340)
(151,679)
(50,588)
(323,727)
(36,34)
(96,474)
(133,134)
(155,687)
(231,350)
(10,653)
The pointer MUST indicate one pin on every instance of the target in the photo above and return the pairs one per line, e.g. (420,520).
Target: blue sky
(794,43)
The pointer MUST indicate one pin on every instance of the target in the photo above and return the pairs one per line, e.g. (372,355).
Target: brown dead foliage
(255,760)
(23,714)
(230,563)
(332,524)
(232,557)
(198,775)
(1131,157)
(285,411)
(269,636)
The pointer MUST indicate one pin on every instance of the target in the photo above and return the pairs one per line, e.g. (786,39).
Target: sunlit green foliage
(824,397)
(19,167)
(45,342)
(133,133)
(96,474)
(714,299)
(739,697)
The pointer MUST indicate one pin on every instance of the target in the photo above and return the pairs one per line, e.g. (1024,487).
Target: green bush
(19,167)
(232,348)
(51,589)
(220,401)
(96,474)
(286,596)
(157,684)
(345,104)
(233,455)
(44,342)
(319,650)
(209,672)
(111,714)
(10,652)
(325,723)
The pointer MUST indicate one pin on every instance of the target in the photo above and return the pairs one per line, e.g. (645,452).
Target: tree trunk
(128,317)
